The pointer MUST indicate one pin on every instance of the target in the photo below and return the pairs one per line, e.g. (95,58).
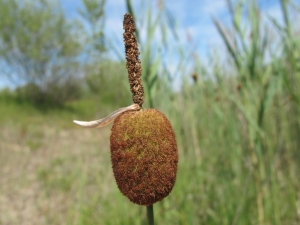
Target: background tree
(40,49)
(102,73)
(93,15)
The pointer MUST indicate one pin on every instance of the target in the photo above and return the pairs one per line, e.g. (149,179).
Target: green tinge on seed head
(144,155)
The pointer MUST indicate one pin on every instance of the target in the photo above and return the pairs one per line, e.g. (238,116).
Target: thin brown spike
(133,63)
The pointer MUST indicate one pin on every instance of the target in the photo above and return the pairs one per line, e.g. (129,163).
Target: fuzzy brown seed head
(133,63)
(144,155)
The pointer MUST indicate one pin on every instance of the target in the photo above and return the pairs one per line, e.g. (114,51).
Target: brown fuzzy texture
(133,63)
(144,155)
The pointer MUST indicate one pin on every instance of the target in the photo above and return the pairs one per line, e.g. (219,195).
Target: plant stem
(150,215)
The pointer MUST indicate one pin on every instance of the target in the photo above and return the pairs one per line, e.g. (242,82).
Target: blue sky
(193,19)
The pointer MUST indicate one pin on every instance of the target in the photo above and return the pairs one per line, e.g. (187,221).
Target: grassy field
(53,172)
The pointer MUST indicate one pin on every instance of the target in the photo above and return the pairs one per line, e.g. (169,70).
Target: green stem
(150,215)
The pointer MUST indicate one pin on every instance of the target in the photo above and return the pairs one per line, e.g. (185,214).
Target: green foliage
(110,84)
(240,123)
(55,95)
(23,111)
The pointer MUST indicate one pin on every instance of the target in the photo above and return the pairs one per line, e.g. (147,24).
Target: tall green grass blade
(284,10)
(129,8)
(171,24)
(228,43)
(247,115)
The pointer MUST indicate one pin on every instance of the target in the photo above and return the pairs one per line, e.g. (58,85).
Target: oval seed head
(144,155)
